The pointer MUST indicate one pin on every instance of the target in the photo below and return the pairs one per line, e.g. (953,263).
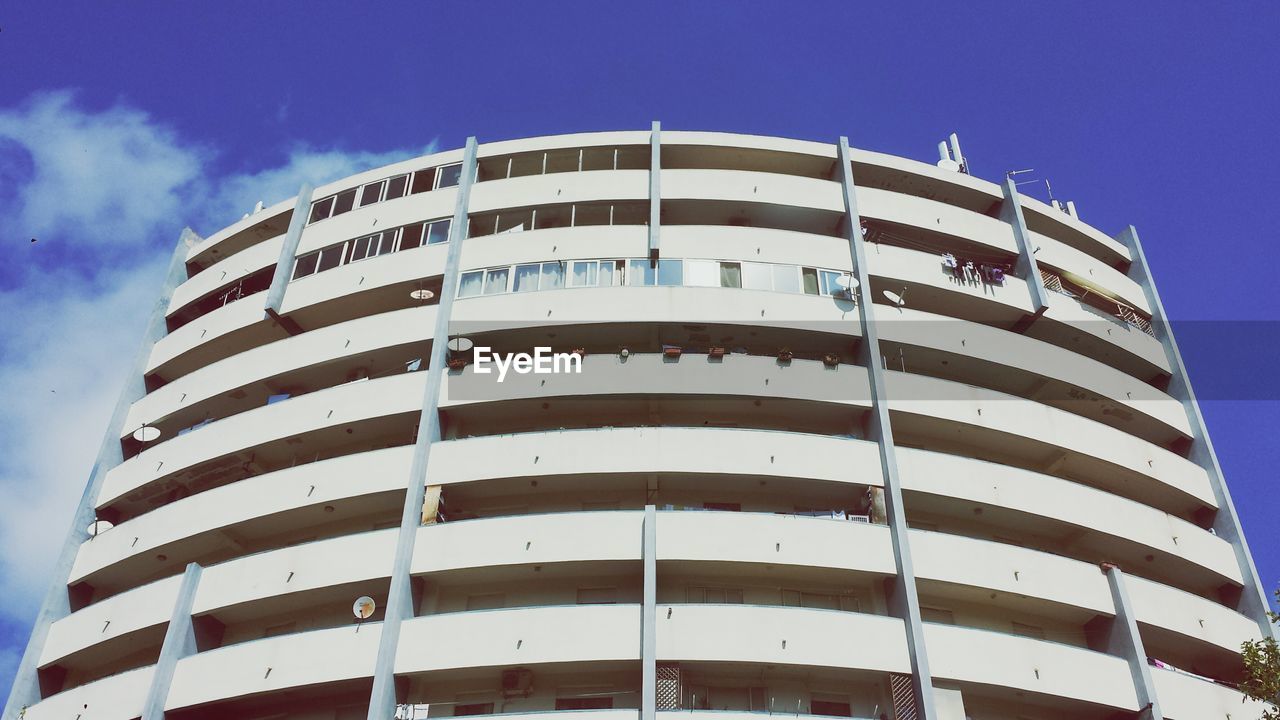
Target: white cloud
(108,192)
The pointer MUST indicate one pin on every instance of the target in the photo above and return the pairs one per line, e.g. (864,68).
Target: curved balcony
(344,340)
(1088,271)
(519,636)
(196,526)
(1047,372)
(928,410)
(1042,218)
(1107,524)
(753,187)
(559,188)
(230,329)
(933,216)
(379,216)
(1035,666)
(328,408)
(275,664)
(528,539)
(114,627)
(1192,618)
(783,636)
(242,234)
(1102,336)
(118,697)
(1020,572)
(583,241)
(1183,697)
(225,272)
(721,451)
(775,540)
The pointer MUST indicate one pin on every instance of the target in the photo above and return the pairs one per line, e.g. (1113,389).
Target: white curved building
(945,466)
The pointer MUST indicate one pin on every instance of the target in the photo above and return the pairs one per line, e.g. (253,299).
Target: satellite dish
(949,164)
(421,294)
(894,297)
(461,345)
(848,282)
(98,527)
(363,607)
(146,433)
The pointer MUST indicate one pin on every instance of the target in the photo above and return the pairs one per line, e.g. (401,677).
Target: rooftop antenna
(957,155)
(950,157)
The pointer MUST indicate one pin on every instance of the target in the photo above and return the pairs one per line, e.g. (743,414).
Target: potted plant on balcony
(457,363)
(671,352)
(831,360)
(784,356)
(716,352)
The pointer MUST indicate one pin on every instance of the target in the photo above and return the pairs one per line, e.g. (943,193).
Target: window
(797,598)
(343,202)
(937,615)
(471,283)
(552,275)
(702,273)
(828,284)
(423,180)
(372,246)
(786,279)
(411,237)
(721,595)
(830,707)
(495,280)
(486,601)
(473,709)
(396,186)
(438,232)
(320,209)
(597,596)
(331,257)
(449,175)
(584,703)
(371,193)
(757,276)
(731,274)
(670,272)
(586,273)
(1030,631)
(527,278)
(641,272)
(306,265)
(809,280)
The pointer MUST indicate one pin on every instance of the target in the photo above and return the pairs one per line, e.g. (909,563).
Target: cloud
(107,193)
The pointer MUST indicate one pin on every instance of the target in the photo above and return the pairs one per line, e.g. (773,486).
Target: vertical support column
(655,190)
(904,601)
(284,266)
(179,642)
(1124,641)
(1011,212)
(649,619)
(1226,523)
(57,604)
(382,701)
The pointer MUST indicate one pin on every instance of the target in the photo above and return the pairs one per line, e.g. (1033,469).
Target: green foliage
(1262,671)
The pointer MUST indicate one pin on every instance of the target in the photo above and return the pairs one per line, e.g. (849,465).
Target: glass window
(320,209)
(396,186)
(360,247)
(388,242)
(344,202)
(786,278)
(471,283)
(495,281)
(423,180)
(640,272)
(809,280)
(449,175)
(585,273)
(527,277)
(610,272)
(330,257)
(702,273)
(670,272)
(371,193)
(757,276)
(306,265)
(411,237)
(552,275)
(828,284)
(730,274)
(439,232)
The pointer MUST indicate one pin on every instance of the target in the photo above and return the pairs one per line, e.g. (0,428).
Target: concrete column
(649,618)
(288,251)
(1123,640)
(57,604)
(1226,523)
(904,601)
(179,642)
(1011,212)
(655,190)
(382,701)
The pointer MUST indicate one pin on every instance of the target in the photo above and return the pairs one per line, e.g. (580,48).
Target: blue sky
(121,123)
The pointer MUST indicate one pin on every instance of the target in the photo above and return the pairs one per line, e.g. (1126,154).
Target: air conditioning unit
(517,682)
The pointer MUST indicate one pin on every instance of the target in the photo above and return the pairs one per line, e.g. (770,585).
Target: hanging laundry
(949,263)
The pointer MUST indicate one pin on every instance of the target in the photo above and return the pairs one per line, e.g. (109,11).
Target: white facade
(716,515)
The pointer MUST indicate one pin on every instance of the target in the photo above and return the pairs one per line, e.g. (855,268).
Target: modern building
(854,435)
